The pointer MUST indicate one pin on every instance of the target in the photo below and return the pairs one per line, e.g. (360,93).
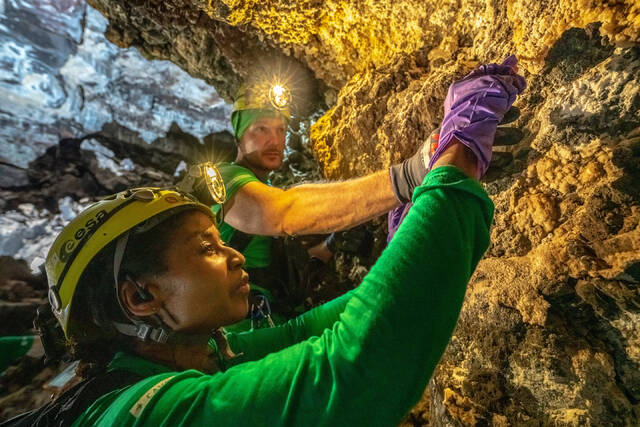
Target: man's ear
(138,301)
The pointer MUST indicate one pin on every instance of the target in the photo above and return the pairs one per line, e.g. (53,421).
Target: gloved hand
(475,105)
(406,176)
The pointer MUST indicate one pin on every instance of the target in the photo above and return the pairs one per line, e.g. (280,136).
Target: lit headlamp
(279,96)
(208,174)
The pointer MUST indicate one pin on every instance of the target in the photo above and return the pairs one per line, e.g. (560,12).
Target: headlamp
(279,96)
(214,182)
(208,173)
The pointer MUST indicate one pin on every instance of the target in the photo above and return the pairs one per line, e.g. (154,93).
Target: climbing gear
(204,176)
(100,224)
(260,311)
(279,96)
(355,241)
(263,96)
(204,181)
(289,277)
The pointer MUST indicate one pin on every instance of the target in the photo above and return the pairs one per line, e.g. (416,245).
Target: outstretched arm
(310,208)
(390,335)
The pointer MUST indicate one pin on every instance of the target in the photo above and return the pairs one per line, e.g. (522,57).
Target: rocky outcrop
(549,330)
(220,40)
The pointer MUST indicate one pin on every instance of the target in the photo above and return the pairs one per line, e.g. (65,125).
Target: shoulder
(235,177)
(232,170)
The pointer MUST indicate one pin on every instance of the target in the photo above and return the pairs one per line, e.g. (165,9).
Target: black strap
(72,403)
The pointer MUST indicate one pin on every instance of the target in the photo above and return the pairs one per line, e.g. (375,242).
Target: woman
(144,275)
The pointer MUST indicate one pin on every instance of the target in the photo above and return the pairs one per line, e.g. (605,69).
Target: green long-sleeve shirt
(364,359)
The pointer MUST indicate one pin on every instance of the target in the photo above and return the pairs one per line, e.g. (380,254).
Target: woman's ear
(137,300)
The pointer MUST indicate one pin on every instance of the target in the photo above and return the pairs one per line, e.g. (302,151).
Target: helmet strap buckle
(143,331)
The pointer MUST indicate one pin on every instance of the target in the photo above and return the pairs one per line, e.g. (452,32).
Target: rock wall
(549,333)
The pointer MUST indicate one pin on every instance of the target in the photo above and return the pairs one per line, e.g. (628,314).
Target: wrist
(459,155)
(408,175)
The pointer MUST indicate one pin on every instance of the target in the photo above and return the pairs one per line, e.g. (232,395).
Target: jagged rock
(548,332)
(25,386)
(335,40)
(16,318)
(17,283)
(221,54)
(11,269)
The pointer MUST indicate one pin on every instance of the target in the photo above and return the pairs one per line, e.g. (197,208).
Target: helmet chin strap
(137,328)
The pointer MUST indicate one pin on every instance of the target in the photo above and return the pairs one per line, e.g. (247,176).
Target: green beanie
(242,119)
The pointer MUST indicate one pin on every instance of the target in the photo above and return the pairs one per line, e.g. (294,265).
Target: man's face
(262,144)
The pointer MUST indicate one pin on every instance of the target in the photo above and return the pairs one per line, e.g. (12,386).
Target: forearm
(459,155)
(320,208)
(311,208)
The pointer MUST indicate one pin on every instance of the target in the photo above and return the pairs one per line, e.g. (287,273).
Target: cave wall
(550,330)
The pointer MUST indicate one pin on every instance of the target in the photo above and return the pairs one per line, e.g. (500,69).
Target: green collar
(268,181)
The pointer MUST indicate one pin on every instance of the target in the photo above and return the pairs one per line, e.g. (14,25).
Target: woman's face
(204,286)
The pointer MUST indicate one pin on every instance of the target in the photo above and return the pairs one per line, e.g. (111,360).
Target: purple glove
(475,105)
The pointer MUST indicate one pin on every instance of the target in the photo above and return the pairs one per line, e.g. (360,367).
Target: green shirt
(258,251)
(363,359)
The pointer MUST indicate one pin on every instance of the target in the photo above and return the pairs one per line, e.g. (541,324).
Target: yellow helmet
(97,226)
